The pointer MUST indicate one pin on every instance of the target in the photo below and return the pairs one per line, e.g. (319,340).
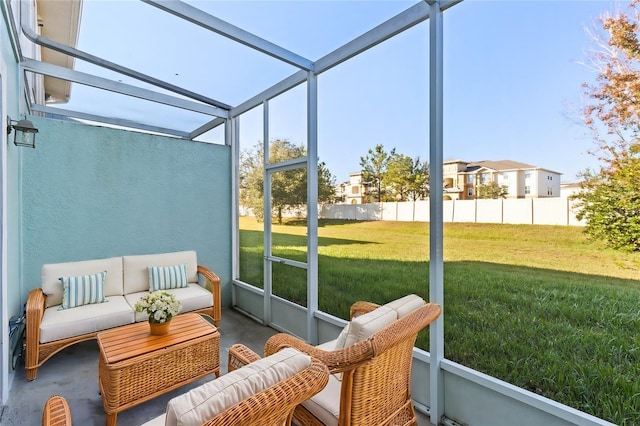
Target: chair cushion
(342,337)
(52,287)
(192,298)
(405,305)
(206,401)
(136,274)
(157,421)
(364,326)
(82,290)
(61,324)
(166,277)
(325,405)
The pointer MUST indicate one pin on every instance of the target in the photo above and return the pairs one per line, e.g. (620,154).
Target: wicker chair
(375,382)
(273,406)
(56,412)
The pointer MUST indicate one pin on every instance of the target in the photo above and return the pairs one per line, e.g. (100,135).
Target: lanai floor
(73,373)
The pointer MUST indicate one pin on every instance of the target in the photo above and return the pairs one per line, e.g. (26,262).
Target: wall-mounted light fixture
(25,132)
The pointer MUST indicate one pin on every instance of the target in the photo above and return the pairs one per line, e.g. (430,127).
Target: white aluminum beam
(312,207)
(117,87)
(108,120)
(217,25)
(267,225)
(232,138)
(294,163)
(399,23)
(206,127)
(436,233)
(288,83)
(13,32)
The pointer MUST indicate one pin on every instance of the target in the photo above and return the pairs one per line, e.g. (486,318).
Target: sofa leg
(31,373)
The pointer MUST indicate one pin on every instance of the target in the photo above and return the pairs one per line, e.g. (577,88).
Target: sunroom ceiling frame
(217,25)
(401,22)
(121,122)
(395,25)
(118,87)
(92,59)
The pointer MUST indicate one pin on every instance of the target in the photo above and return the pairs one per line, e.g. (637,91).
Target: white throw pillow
(405,305)
(364,326)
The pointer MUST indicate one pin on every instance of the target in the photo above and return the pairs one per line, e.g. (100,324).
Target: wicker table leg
(110,419)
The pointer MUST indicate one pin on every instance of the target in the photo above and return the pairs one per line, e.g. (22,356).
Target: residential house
(353,191)
(461,179)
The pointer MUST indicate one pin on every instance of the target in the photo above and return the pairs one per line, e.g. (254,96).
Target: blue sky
(512,75)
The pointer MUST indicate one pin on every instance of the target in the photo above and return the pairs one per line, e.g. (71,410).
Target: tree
(408,179)
(374,169)
(609,200)
(492,190)
(288,187)
(610,204)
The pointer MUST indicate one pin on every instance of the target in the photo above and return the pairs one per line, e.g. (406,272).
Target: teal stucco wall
(93,192)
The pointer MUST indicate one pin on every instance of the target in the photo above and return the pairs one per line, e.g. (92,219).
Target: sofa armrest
(214,286)
(239,356)
(35,311)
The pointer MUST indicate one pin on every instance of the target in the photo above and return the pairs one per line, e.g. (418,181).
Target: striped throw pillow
(167,277)
(82,290)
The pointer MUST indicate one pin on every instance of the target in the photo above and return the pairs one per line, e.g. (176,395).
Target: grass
(540,307)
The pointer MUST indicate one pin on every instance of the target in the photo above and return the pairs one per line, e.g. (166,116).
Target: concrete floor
(73,374)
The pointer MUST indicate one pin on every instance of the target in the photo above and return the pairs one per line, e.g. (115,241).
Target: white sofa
(51,328)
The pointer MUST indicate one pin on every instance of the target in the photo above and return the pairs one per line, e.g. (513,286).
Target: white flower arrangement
(160,305)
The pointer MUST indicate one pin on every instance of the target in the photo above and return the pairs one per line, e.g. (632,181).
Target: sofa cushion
(192,298)
(52,287)
(325,405)
(166,277)
(84,319)
(82,290)
(364,326)
(136,274)
(206,401)
(405,305)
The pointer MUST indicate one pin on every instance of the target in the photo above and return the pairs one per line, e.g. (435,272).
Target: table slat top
(132,340)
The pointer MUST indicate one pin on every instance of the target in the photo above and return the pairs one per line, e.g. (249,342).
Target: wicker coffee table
(135,367)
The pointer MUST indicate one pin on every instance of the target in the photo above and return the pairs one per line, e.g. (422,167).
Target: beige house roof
(503,165)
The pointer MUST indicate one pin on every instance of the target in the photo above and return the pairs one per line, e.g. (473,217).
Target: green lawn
(540,307)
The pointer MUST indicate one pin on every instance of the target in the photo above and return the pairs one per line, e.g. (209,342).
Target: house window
(505,176)
(527,190)
(470,192)
(527,175)
(484,178)
(469,178)
(355,189)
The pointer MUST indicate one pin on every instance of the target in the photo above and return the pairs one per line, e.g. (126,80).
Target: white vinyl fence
(530,211)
